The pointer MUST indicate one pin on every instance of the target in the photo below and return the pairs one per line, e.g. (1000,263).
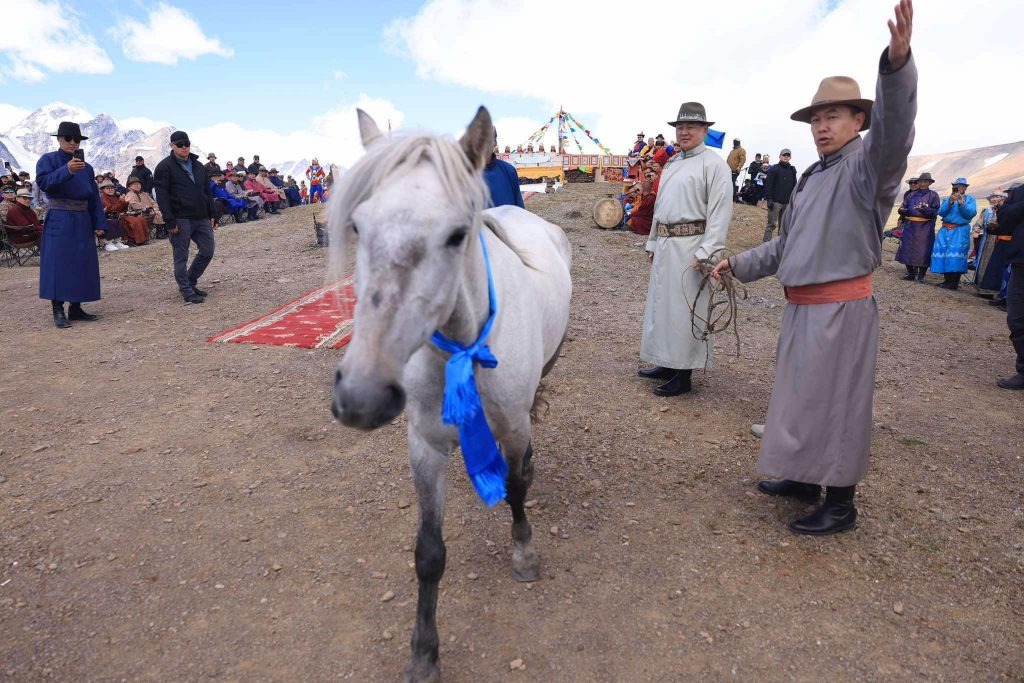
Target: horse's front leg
(519,454)
(430,473)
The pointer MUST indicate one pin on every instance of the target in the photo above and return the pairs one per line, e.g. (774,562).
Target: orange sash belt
(831,292)
(918,219)
(953,226)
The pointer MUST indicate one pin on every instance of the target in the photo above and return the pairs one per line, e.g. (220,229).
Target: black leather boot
(837,514)
(911,273)
(657,372)
(921,273)
(806,493)
(679,384)
(59,319)
(75,312)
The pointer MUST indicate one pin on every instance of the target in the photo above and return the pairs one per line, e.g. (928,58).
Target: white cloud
(339,74)
(146,125)
(750,63)
(333,136)
(41,37)
(170,35)
(11,115)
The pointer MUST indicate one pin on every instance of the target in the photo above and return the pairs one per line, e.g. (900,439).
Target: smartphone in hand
(79,154)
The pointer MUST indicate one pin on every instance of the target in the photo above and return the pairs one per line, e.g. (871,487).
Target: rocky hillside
(986,168)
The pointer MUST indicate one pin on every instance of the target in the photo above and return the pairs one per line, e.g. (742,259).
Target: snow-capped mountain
(110,147)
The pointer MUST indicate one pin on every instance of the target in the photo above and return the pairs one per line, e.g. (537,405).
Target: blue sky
(286,82)
(281,74)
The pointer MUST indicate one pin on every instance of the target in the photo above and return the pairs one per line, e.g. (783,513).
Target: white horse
(417,206)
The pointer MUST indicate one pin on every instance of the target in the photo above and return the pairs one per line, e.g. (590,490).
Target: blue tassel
(464,408)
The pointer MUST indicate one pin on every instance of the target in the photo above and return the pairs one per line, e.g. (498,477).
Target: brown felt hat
(832,91)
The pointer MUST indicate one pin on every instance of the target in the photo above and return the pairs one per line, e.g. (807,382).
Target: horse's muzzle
(365,404)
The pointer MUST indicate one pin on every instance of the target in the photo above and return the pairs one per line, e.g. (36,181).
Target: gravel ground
(179,510)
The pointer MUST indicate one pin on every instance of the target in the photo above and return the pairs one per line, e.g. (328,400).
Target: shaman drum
(608,213)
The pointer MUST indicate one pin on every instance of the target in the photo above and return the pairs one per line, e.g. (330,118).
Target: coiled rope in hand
(719,312)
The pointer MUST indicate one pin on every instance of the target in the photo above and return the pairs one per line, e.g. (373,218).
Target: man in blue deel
(69,267)
(502,181)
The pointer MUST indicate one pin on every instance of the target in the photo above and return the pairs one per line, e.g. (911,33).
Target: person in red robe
(643,215)
(21,214)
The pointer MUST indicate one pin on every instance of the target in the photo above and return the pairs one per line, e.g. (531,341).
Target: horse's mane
(463,186)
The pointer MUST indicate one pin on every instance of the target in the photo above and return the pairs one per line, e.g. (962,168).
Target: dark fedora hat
(925,177)
(69,129)
(691,112)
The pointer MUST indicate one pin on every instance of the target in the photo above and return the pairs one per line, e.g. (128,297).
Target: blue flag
(714,139)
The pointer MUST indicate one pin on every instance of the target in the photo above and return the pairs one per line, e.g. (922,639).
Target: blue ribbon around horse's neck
(464,409)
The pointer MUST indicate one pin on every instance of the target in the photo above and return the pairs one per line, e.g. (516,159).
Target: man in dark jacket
(254,167)
(778,186)
(755,167)
(1011,217)
(144,174)
(185,200)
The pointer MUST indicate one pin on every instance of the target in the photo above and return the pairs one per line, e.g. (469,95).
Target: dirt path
(177,510)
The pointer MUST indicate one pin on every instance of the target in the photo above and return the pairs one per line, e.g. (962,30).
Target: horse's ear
(478,140)
(368,129)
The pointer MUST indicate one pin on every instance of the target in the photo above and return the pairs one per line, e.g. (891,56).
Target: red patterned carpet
(321,319)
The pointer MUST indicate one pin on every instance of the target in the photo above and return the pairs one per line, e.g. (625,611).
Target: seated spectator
(145,209)
(10,199)
(21,214)
(269,196)
(254,167)
(748,193)
(224,201)
(291,190)
(265,180)
(235,186)
(211,165)
(641,219)
(113,207)
(240,165)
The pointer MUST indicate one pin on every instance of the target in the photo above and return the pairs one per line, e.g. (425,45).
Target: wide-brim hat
(69,129)
(996,193)
(132,180)
(25,193)
(961,181)
(925,177)
(912,180)
(211,155)
(832,91)
(105,184)
(691,112)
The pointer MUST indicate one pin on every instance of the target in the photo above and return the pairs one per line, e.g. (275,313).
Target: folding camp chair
(18,244)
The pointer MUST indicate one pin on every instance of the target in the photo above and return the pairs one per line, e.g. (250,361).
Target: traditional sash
(831,292)
(918,219)
(464,409)
(953,226)
(61,204)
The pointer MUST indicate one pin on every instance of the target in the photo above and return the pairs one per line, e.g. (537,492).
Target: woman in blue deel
(69,268)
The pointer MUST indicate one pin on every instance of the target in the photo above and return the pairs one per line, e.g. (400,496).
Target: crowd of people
(181,200)
(132,216)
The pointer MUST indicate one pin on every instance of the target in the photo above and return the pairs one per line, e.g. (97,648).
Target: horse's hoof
(526,568)
(422,672)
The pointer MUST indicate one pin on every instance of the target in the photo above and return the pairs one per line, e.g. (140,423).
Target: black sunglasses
(182,145)
(70,138)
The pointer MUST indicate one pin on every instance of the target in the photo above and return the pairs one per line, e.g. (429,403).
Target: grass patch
(911,441)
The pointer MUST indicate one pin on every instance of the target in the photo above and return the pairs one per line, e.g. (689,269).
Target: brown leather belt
(681,229)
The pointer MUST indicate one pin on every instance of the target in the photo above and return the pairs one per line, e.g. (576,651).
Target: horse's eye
(455,239)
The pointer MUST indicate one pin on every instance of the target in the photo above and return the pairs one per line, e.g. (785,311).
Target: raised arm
(891,135)
(50,175)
